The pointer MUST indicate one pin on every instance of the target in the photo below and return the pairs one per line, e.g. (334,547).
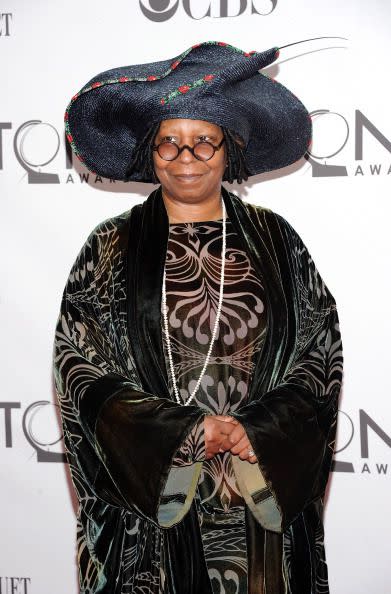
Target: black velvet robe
(137,524)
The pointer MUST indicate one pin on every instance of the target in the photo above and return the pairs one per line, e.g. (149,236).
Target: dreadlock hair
(142,162)
(236,161)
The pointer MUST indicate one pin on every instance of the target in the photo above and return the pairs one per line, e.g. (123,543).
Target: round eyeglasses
(202,150)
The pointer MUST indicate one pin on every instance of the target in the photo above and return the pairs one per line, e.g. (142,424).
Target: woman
(197,354)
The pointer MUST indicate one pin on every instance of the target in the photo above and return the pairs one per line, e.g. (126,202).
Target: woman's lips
(188,178)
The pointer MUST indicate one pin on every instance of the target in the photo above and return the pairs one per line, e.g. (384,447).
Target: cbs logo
(159,11)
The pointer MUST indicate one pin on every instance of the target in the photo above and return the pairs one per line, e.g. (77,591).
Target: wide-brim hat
(212,81)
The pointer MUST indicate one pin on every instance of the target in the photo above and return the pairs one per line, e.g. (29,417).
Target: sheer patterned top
(193,271)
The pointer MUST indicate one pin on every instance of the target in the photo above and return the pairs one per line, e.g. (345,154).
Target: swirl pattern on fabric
(193,272)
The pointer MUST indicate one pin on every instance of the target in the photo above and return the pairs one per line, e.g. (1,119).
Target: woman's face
(186,178)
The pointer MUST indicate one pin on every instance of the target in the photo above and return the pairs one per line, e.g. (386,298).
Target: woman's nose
(186,155)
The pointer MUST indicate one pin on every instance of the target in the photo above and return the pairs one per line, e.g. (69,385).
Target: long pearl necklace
(218,313)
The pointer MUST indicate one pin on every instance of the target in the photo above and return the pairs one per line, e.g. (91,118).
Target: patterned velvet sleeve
(119,440)
(193,448)
(292,425)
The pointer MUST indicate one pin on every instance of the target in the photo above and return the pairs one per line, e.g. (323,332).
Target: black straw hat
(211,81)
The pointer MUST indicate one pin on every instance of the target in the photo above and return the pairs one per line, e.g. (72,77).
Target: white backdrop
(339,201)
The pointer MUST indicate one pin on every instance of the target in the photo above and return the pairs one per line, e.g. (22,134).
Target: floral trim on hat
(124,79)
(185,88)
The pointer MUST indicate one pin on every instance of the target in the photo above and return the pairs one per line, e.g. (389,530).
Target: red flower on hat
(66,116)
(209,76)
(162,101)
(70,138)
(75,96)
(184,88)
(123,79)
(151,77)
(196,45)
(96,84)
(222,43)
(175,64)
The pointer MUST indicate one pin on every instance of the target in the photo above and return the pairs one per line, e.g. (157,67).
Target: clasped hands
(224,433)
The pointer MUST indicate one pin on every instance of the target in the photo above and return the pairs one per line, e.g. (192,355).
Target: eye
(168,139)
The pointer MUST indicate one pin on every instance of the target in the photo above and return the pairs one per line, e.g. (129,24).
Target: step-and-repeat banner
(337,197)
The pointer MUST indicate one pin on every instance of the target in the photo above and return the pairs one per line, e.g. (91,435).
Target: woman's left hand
(237,441)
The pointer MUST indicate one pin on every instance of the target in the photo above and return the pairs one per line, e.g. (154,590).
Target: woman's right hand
(216,432)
